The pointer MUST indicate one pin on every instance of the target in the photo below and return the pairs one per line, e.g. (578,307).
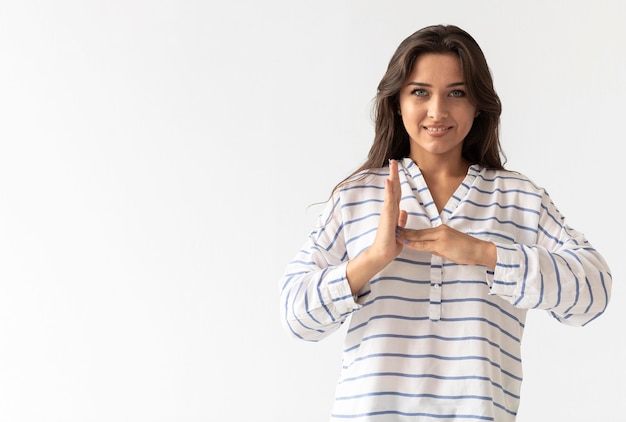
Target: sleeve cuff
(503,281)
(340,292)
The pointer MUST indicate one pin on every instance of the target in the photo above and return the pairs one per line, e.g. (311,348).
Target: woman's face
(435,109)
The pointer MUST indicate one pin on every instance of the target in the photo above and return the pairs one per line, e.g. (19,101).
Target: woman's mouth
(437,130)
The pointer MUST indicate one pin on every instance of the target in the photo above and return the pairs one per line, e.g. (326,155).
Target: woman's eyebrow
(452,85)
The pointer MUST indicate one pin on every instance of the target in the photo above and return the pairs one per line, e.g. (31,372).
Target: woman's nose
(437,109)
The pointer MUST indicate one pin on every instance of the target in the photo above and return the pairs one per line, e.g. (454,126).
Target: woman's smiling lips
(437,130)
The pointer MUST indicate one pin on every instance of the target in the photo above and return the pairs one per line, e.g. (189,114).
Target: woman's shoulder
(368,178)
(509,178)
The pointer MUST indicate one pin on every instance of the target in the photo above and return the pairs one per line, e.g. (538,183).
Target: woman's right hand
(385,248)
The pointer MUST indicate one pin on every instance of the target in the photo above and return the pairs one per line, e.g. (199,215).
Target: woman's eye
(419,92)
(457,93)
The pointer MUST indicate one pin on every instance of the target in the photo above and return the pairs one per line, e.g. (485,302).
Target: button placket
(436,278)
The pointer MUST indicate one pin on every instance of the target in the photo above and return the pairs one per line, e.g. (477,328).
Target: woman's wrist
(489,255)
(363,268)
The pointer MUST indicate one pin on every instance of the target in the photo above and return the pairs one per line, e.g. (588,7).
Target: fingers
(421,235)
(390,202)
(395,179)
(393,170)
(449,244)
(402,218)
(384,247)
(415,239)
(392,188)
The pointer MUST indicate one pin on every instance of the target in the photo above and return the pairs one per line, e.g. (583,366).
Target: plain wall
(158,165)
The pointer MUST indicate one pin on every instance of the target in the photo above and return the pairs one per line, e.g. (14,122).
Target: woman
(435,252)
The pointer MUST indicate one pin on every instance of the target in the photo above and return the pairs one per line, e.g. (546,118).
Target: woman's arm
(317,290)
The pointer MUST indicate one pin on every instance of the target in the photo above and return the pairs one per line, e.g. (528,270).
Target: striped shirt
(430,339)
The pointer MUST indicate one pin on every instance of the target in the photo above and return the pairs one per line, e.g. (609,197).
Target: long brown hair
(391,141)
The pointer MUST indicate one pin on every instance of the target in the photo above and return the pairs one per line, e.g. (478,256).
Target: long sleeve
(561,273)
(314,291)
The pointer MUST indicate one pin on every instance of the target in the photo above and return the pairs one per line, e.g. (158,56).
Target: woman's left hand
(450,244)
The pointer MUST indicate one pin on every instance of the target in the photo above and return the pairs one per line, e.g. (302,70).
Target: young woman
(434,252)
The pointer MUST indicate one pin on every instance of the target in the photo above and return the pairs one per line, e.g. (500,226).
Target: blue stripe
(486,321)
(432,396)
(362,187)
(295,333)
(410,261)
(334,238)
(365,217)
(308,312)
(503,222)
(437,357)
(541,290)
(402,279)
(433,376)
(549,236)
(397,412)
(524,277)
(417,214)
(399,298)
(498,205)
(365,323)
(365,233)
(288,279)
(424,318)
(321,297)
(365,201)
(590,290)
(490,233)
(606,298)
(489,303)
(576,280)
(412,395)
(557,279)
(502,177)
(557,221)
(506,191)
(442,338)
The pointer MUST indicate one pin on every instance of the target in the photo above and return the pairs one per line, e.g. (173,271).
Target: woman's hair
(391,141)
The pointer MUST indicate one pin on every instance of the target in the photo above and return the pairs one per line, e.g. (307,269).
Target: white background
(157,163)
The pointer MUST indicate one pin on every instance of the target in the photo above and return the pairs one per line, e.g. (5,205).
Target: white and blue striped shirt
(429,339)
